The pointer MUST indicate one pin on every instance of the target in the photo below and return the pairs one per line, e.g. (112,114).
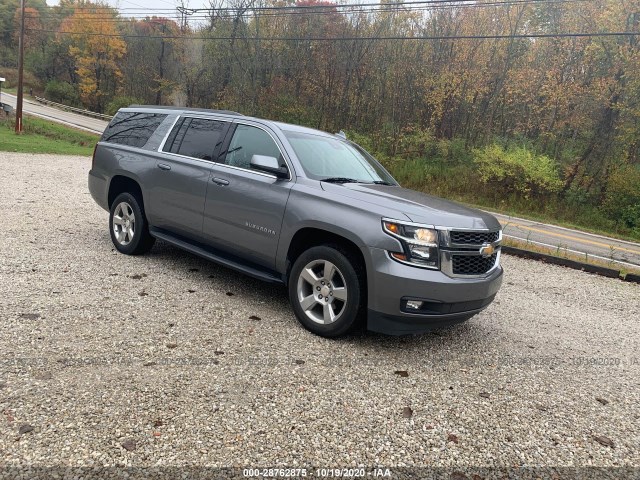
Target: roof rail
(188,109)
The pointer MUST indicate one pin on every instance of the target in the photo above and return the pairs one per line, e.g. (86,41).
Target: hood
(418,207)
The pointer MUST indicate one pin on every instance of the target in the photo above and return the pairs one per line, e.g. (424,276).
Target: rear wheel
(128,226)
(326,289)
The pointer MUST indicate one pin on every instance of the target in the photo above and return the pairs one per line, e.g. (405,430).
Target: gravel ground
(167,360)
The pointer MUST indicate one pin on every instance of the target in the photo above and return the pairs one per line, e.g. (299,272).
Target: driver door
(244,208)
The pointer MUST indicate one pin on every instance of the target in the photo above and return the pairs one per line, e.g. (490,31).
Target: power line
(284,11)
(341,39)
(423,4)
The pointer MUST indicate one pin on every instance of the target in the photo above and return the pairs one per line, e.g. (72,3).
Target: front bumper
(447,300)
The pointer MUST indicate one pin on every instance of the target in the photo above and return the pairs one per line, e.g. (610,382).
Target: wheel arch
(312,236)
(120,183)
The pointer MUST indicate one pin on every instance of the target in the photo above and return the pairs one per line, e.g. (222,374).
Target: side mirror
(268,164)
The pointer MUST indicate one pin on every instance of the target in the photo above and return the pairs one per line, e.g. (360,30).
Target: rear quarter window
(132,128)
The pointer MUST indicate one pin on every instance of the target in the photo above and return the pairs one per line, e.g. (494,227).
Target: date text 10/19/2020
(316,472)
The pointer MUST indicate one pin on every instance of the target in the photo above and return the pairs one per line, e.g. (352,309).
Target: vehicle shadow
(256,291)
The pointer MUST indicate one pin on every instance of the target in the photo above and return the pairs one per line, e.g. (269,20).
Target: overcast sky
(146,4)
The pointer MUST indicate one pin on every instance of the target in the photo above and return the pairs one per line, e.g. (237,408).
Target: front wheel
(326,290)
(128,226)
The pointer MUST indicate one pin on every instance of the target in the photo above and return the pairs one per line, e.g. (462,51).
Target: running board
(208,254)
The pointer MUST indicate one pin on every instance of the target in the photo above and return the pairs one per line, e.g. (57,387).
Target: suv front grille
(472,264)
(473,238)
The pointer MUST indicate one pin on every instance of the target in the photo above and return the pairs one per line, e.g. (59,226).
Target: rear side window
(132,128)
(195,137)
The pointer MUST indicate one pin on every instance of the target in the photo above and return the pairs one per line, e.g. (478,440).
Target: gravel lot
(166,360)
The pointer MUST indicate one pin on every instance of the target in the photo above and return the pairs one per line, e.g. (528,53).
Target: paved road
(82,122)
(538,233)
(572,240)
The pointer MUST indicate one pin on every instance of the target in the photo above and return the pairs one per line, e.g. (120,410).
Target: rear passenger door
(181,175)
(244,207)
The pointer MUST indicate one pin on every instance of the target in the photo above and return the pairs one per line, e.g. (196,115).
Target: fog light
(414,305)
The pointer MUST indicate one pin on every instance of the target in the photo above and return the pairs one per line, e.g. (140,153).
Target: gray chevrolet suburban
(297,206)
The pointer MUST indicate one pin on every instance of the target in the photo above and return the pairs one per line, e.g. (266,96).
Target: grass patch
(42,136)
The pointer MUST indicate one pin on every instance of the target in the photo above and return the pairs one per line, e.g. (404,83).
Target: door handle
(220,181)
(164,166)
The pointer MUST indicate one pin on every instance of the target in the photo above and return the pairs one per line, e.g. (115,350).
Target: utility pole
(20,70)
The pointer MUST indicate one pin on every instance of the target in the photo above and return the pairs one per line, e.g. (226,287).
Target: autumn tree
(97,49)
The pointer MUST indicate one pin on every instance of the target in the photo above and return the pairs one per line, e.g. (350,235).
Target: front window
(334,159)
(248,141)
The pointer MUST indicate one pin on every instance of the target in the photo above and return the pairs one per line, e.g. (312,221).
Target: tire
(128,225)
(343,294)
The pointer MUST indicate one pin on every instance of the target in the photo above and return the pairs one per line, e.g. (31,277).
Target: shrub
(622,198)
(121,102)
(62,92)
(517,171)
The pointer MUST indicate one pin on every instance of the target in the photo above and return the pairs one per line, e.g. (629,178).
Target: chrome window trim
(230,121)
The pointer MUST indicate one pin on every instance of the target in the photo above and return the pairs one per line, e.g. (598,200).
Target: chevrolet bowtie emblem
(487,250)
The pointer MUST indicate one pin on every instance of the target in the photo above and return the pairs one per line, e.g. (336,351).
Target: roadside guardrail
(73,109)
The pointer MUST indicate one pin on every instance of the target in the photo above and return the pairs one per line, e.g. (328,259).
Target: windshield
(333,159)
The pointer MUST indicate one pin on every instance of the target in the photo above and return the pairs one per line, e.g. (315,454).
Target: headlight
(420,244)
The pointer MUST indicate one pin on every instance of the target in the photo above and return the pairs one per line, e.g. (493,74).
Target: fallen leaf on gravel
(407,412)
(230,294)
(156,434)
(172,345)
(138,276)
(484,394)
(149,364)
(458,476)
(429,427)
(129,445)
(30,316)
(604,441)
(218,352)
(542,408)
(158,423)
(26,428)
(602,400)
(452,438)
(142,293)
(531,346)
(43,376)
(254,317)
(401,373)
(172,325)
(191,291)
(300,362)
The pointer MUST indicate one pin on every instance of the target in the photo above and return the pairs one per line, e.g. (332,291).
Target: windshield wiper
(340,180)
(382,182)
